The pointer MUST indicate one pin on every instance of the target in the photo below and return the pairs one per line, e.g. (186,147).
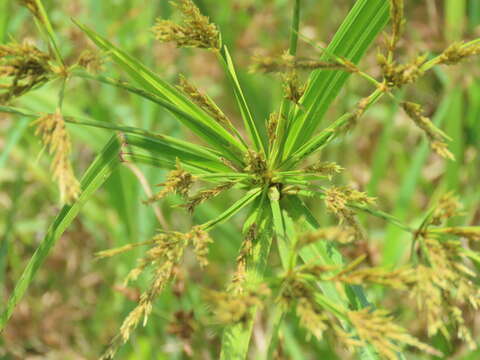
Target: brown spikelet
(311,317)
(205,195)
(397,279)
(272,124)
(195,30)
(292,87)
(445,288)
(337,200)
(204,101)
(327,169)
(51,128)
(287,63)
(397,20)
(91,61)
(398,75)
(377,328)
(342,235)
(458,52)
(24,67)
(200,241)
(436,137)
(164,257)
(238,280)
(178,181)
(233,308)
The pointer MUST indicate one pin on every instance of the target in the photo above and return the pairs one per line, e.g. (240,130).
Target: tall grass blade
(366,19)
(94,177)
(198,121)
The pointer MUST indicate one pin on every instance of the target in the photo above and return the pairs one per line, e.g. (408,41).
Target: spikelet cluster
(339,234)
(25,67)
(376,327)
(445,286)
(397,279)
(54,135)
(195,30)
(164,258)
(296,293)
(328,169)
(458,52)
(292,87)
(205,195)
(398,21)
(91,61)
(178,182)
(398,75)
(337,200)
(288,62)
(435,136)
(204,101)
(233,308)
(238,280)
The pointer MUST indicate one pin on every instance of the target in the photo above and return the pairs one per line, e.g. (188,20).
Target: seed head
(51,128)
(435,136)
(195,31)
(458,52)
(204,101)
(377,328)
(24,67)
(178,181)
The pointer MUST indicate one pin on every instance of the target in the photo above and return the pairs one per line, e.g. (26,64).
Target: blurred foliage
(76,304)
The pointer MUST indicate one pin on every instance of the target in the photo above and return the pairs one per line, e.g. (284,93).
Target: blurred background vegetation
(76,303)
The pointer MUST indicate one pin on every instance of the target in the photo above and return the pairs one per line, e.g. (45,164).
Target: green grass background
(76,304)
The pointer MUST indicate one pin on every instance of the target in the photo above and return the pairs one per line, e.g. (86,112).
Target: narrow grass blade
(95,176)
(232,210)
(395,242)
(236,338)
(14,136)
(259,141)
(163,146)
(200,122)
(366,19)
(327,254)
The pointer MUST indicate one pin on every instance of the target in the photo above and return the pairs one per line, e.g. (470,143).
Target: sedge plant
(273,164)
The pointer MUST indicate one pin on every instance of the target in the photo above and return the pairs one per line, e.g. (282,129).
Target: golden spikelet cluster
(91,61)
(288,62)
(376,327)
(231,308)
(328,169)
(195,31)
(24,66)
(397,20)
(256,165)
(54,135)
(339,234)
(204,101)
(296,293)
(272,124)
(246,249)
(178,182)
(445,287)
(435,136)
(164,257)
(458,52)
(398,75)
(205,195)
(337,200)
(292,87)
(311,317)
(397,279)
